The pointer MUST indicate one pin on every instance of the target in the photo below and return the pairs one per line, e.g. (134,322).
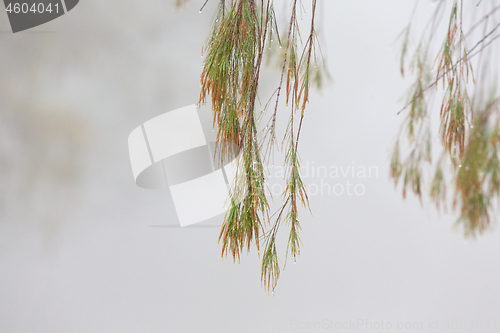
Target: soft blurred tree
(465,172)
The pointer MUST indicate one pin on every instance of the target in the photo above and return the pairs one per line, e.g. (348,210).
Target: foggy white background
(82,248)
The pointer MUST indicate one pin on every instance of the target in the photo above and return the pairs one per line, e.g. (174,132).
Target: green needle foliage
(469,126)
(241,33)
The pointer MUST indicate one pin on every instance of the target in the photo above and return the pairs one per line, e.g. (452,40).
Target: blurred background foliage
(454,63)
(72,89)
